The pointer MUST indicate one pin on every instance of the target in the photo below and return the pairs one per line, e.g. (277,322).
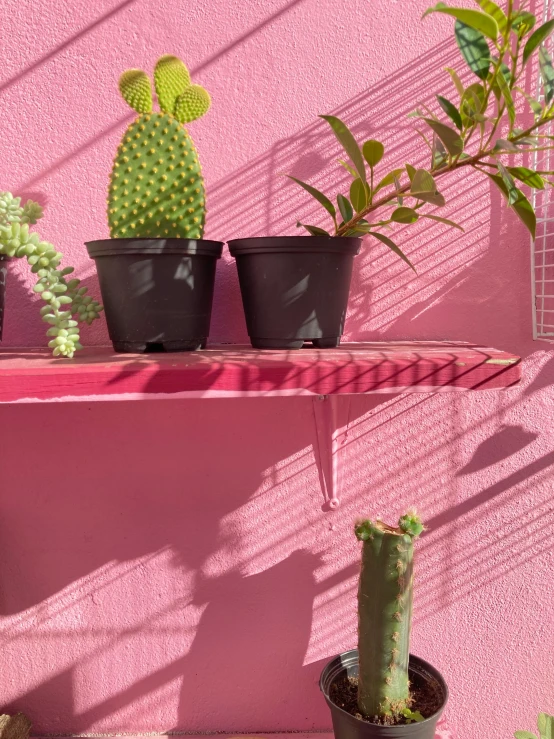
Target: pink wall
(174,569)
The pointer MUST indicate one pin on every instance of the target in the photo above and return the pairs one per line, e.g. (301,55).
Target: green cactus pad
(156,186)
(171,78)
(193,103)
(134,86)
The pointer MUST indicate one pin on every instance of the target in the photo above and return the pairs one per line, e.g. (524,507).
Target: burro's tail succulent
(156,186)
(66,301)
(385,615)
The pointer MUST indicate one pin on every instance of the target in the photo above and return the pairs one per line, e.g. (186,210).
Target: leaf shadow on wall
(232,625)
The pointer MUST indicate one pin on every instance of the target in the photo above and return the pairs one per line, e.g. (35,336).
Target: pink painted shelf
(238,371)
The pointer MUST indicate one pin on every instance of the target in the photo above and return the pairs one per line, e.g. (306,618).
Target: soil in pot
(294,288)
(338,684)
(157,293)
(427,697)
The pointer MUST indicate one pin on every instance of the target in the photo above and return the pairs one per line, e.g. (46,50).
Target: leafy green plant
(477,127)
(545,725)
(67,303)
(156,186)
(385,597)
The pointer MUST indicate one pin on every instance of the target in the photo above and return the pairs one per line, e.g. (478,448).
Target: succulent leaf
(192,104)
(135,89)
(171,78)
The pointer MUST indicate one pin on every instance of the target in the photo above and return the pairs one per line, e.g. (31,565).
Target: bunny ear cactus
(545,724)
(385,613)
(66,302)
(156,185)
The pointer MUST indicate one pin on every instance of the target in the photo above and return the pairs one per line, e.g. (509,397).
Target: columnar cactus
(385,613)
(64,298)
(156,186)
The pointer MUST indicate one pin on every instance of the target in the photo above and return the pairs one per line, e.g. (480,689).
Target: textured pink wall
(173,568)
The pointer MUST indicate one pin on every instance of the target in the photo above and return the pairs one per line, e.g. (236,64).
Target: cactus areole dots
(385,614)
(156,186)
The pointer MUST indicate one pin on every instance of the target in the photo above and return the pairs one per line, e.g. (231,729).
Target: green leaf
(527,176)
(373,152)
(404,215)
(523,22)
(319,196)
(496,12)
(524,735)
(546,726)
(535,106)
(446,221)
(505,145)
(523,208)
(424,188)
(481,22)
(313,230)
(411,171)
(345,137)
(451,111)
(453,142)
(345,208)
(513,192)
(547,73)
(439,153)
(474,48)
(422,181)
(348,168)
(359,196)
(388,179)
(456,80)
(536,39)
(507,95)
(399,199)
(393,247)
(472,103)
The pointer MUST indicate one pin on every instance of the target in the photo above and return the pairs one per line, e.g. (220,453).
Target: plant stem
(456,164)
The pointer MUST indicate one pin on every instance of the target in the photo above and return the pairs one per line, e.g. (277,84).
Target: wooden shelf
(28,375)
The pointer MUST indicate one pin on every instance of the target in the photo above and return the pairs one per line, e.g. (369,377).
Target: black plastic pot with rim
(157,293)
(347,726)
(295,288)
(3,281)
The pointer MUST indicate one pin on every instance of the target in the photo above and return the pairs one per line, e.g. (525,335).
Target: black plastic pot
(3,280)
(294,288)
(346,726)
(157,293)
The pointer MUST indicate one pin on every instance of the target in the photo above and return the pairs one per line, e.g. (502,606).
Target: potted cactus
(156,272)
(380,689)
(295,289)
(66,303)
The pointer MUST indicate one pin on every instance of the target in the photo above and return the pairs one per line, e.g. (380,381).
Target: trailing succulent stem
(479,130)
(384,615)
(66,303)
(156,185)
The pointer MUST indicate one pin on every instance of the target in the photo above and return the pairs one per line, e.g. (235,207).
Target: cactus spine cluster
(63,298)
(156,187)
(384,614)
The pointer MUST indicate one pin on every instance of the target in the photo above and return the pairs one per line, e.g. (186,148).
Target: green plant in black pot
(296,290)
(156,272)
(380,689)
(66,303)
(545,725)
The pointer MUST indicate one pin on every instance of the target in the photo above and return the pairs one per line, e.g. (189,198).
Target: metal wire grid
(542,248)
